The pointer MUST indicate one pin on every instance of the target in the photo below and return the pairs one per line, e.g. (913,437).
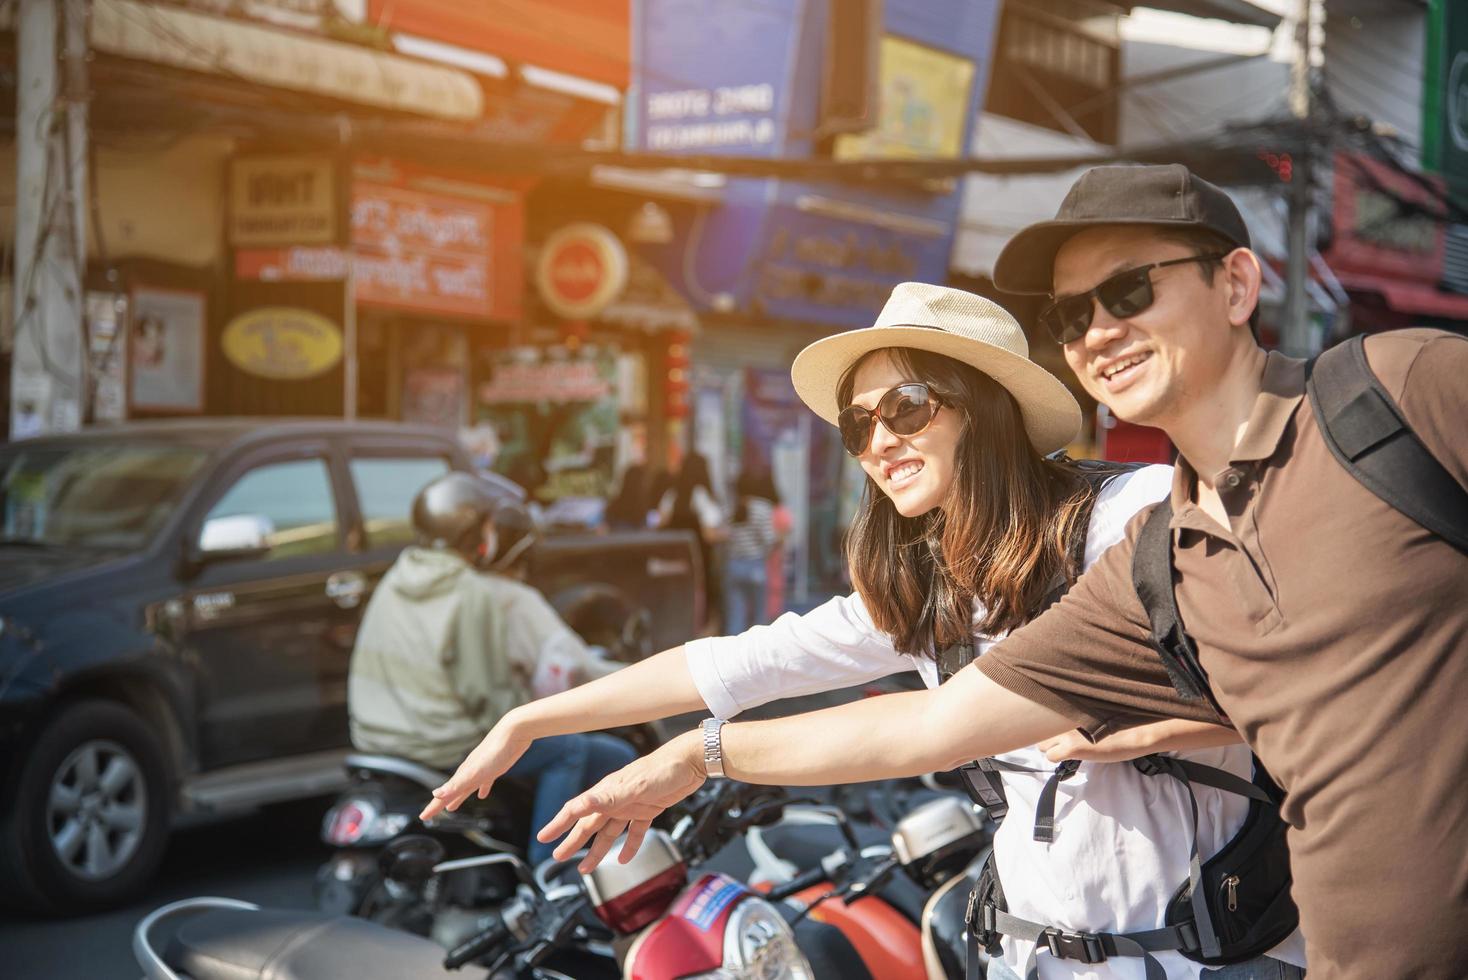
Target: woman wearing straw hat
(966,531)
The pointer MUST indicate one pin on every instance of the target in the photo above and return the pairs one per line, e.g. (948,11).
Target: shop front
(776,264)
(415,268)
(569,408)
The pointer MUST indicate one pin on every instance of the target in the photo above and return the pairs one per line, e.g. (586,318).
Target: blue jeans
(563,766)
(1262,968)
(744,594)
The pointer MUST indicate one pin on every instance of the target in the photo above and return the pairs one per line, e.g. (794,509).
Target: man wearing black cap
(1330,628)
(1333,628)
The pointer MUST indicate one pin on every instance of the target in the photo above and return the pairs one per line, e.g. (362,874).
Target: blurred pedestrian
(689,505)
(630,506)
(752,538)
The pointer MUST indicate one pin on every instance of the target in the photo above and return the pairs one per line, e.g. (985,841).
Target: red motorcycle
(898,900)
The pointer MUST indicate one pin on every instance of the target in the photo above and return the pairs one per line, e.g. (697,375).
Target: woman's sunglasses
(905,411)
(1123,295)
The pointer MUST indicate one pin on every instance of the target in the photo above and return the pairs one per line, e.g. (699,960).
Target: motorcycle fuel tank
(718,928)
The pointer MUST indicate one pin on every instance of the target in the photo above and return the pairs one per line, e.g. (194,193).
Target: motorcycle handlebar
(474,948)
(799,883)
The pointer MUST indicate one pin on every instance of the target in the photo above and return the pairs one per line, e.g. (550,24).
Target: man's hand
(628,800)
(490,760)
(1073,745)
(1171,735)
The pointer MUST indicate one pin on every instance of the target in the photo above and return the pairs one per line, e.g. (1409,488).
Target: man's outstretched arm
(877,738)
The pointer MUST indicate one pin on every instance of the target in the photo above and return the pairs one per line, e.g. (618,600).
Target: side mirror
(236,536)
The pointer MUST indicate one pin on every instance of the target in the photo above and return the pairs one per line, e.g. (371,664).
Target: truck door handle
(346,588)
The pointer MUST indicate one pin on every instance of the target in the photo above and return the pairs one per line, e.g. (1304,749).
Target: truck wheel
(90,815)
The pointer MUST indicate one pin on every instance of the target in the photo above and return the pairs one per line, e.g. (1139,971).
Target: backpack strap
(1084,947)
(1366,433)
(981,779)
(985,787)
(1152,575)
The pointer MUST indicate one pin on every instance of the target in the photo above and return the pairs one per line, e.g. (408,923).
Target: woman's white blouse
(1121,843)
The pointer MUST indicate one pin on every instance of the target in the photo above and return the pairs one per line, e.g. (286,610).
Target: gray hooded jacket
(444,651)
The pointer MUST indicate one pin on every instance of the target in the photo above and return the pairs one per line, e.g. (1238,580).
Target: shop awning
(1408,297)
(279,58)
(1234,11)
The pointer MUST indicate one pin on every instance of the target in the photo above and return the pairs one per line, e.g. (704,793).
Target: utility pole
(49,383)
(1296,334)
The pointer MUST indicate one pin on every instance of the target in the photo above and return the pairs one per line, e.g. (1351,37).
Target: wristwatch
(713,749)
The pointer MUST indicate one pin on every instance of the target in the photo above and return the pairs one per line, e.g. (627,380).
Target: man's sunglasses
(905,411)
(1123,295)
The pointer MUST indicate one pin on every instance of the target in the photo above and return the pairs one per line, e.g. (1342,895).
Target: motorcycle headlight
(759,945)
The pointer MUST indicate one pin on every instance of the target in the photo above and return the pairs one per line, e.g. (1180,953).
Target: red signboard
(587,38)
(431,252)
(1386,224)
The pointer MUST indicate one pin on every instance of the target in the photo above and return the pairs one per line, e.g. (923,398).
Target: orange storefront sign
(587,38)
(452,249)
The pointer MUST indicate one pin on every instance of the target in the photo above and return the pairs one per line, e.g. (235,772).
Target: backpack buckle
(1084,947)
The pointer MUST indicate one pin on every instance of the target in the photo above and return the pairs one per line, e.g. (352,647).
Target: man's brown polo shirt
(1335,634)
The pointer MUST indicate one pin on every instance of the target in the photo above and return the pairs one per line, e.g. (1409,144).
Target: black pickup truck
(151,666)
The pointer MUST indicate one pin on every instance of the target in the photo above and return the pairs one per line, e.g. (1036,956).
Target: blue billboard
(743,79)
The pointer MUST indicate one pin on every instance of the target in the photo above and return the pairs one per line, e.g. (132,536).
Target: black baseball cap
(1167,195)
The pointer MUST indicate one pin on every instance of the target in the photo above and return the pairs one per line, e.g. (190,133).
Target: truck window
(295,497)
(112,495)
(386,487)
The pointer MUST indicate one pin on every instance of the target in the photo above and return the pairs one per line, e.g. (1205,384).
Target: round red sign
(582,268)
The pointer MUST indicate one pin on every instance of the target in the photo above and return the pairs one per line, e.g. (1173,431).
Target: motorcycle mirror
(409,860)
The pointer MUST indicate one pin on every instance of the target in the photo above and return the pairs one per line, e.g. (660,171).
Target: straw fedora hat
(956,324)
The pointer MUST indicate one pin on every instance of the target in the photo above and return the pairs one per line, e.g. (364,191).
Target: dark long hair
(1001,536)
(753,483)
(692,474)
(630,506)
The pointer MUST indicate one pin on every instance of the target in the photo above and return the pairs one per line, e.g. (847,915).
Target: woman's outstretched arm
(833,645)
(877,738)
(654,688)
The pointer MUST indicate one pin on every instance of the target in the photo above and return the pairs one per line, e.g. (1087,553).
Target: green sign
(1445,102)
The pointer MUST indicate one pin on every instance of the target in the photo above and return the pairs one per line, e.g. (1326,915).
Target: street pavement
(269,857)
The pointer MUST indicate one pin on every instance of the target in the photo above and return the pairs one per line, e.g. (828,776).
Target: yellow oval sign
(282,342)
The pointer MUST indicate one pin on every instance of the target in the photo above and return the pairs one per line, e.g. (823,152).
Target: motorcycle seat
(391,765)
(406,775)
(273,944)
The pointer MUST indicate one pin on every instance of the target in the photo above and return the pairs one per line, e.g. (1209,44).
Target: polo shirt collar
(1281,389)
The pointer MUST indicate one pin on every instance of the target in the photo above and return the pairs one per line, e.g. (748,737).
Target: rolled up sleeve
(834,645)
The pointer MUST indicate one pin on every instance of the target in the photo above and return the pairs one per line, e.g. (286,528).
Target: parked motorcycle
(384,795)
(379,806)
(651,919)
(665,917)
(900,902)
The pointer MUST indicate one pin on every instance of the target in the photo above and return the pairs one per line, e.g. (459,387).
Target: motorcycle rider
(448,646)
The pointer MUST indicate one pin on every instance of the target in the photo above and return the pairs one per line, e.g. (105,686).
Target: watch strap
(713,747)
